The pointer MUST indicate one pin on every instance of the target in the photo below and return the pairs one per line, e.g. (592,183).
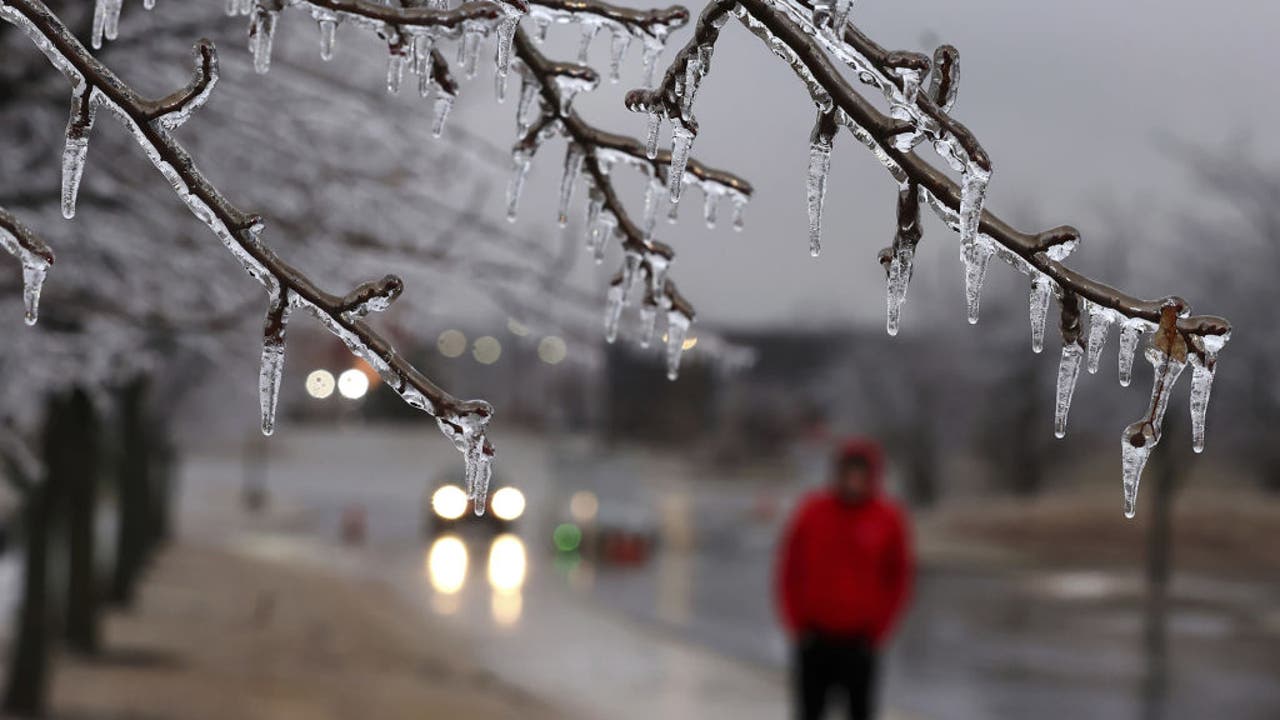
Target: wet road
(690,633)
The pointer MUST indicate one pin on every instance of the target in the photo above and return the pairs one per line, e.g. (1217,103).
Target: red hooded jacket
(845,568)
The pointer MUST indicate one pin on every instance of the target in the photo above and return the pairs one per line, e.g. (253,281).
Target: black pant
(824,662)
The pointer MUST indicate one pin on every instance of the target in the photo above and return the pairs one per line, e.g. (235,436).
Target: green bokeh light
(566,537)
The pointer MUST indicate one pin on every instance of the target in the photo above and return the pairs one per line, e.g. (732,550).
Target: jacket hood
(869,452)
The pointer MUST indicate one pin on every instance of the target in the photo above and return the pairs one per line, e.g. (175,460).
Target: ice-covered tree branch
(35,256)
(592,153)
(150,123)
(816,39)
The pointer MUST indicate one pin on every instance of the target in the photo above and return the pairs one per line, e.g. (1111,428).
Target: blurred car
(620,531)
(447,507)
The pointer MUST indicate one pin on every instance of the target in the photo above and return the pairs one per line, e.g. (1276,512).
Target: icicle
(395,68)
(1068,372)
(541,23)
(529,88)
(1130,334)
(648,323)
(34,271)
(573,158)
(273,338)
(652,194)
(658,264)
(976,256)
(1099,323)
(1135,447)
(681,141)
(568,87)
(652,51)
(1041,292)
(328,36)
(677,330)
(444,103)
(613,311)
(589,30)
(506,34)
(692,78)
(262,31)
(651,141)
(83,111)
(469,52)
(1141,437)
(739,211)
(468,436)
(900,269)
(424,63)
(521,160)
(1202,372)
(600,233)
(820,142)
(710,202)
(106,21)
(617,50)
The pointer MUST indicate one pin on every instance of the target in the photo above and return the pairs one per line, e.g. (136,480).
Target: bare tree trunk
(26,694)
(134,493)
(82,618)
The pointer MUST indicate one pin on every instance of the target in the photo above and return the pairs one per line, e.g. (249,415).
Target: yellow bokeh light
(552,350)
(451,343)
(320,384)
(486,350)
(447,564)
(507,563)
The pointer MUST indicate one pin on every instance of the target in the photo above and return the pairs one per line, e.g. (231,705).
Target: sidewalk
(216,635)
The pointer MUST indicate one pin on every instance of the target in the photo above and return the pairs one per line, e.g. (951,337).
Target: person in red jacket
(844,575)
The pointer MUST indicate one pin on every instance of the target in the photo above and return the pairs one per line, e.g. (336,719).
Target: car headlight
(508,503)
(449,502)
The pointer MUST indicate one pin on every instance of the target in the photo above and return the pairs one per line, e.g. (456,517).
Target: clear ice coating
(652,51)
(819,166)
(1100,320)
(681,142)
(262,32)
(1130,334)
(1041,292)
(973,194)
(574,155)
(1141,437)
(589,30)
(272,368)
(900,268)
(521,160)
(1202,372)
(1068,373)
(83,111)
(976,256)
(677,331)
